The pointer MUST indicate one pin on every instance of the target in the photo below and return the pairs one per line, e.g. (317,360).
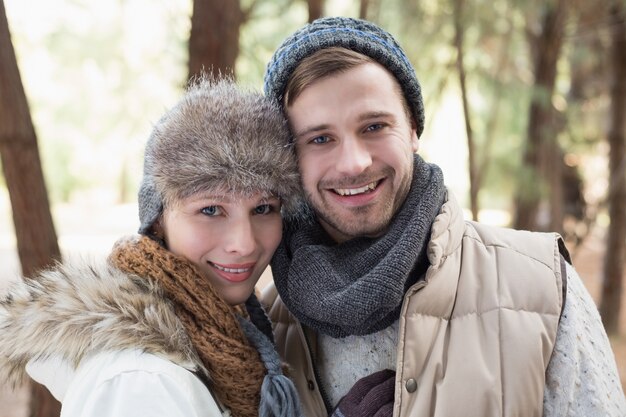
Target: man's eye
(320,140)
(374,127)
(211,211)
(263,209)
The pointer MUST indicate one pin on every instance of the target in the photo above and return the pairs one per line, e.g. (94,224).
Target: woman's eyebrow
(207,196)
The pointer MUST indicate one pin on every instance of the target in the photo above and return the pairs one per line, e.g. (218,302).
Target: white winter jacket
(123,384)
(104,343)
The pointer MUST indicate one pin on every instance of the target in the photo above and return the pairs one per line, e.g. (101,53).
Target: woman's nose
(241,238)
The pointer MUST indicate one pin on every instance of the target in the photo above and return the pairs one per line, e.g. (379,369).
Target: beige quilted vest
(475,338)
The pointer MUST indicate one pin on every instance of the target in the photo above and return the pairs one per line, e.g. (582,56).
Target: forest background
(525,113)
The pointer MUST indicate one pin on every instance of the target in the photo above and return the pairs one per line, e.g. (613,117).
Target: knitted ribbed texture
(233,364)
(371,396)
(358,35)
(357,287)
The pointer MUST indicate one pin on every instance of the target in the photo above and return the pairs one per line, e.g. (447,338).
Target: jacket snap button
(411,385)
(311,385)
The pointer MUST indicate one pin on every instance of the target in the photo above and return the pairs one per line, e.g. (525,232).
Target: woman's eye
(211,211)
(320,140)
(263,209)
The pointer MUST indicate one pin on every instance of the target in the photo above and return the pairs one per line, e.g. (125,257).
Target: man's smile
(357,190)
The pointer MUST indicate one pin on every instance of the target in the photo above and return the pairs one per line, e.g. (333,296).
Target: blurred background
(525,109)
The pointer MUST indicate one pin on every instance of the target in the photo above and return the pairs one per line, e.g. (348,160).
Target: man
(474,320)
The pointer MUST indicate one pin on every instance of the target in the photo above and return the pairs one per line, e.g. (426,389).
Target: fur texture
(68,312)
(222,139)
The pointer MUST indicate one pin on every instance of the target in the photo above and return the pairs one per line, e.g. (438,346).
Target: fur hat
(217,138)
(355,34)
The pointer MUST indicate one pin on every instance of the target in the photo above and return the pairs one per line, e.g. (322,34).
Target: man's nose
(353,157)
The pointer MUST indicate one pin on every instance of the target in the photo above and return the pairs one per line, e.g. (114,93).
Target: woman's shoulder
(86,307)
(120,383)
(107,365)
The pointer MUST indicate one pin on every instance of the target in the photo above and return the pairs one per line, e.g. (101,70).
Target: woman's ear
(157,231)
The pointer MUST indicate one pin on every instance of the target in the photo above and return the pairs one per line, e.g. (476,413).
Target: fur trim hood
(80,308)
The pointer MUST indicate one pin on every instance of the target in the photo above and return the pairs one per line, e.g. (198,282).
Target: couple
(381,283)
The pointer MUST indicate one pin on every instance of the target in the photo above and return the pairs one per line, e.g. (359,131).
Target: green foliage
(498,69)
(61,180)
(270,23)
(98,74)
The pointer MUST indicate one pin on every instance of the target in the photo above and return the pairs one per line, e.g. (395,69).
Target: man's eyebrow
(307,130)
(310,129)
(374,115)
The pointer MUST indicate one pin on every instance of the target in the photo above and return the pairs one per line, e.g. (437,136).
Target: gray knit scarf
(357,287)
(279,397)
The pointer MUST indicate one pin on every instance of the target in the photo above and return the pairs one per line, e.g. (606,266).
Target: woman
(169,324)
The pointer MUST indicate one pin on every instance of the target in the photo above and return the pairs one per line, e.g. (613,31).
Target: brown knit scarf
(234,366)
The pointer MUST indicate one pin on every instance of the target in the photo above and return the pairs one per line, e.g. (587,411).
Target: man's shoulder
(538,245)
(269,295)
(274,306)
(498,234)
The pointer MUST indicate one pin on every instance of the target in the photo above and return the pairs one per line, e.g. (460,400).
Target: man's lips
(234,272)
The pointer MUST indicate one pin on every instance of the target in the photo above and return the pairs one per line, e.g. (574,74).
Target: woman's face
(230,238)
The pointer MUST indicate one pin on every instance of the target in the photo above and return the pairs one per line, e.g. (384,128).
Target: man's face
(355,148)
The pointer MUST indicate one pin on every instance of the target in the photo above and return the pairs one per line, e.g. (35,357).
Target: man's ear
(414,139)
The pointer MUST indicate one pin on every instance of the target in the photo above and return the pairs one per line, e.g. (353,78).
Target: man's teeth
(231,270)
(354,191)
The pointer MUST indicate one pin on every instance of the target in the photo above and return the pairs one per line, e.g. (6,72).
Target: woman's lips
(233,272)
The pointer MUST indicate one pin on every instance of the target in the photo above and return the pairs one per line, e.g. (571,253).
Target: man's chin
(345,223)
(342,230)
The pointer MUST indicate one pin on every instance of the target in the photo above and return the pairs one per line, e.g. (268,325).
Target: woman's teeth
(231,270)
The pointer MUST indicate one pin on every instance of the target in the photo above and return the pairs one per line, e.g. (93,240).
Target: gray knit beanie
(358,35)
(218,138)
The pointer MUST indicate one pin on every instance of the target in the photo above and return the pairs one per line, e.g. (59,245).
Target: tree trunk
(214,38)
(616,235)
(316,9)
(42,403)
(471,148)
(554,175)
(541,129)
(482,167)
(363,7)
(36,238)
